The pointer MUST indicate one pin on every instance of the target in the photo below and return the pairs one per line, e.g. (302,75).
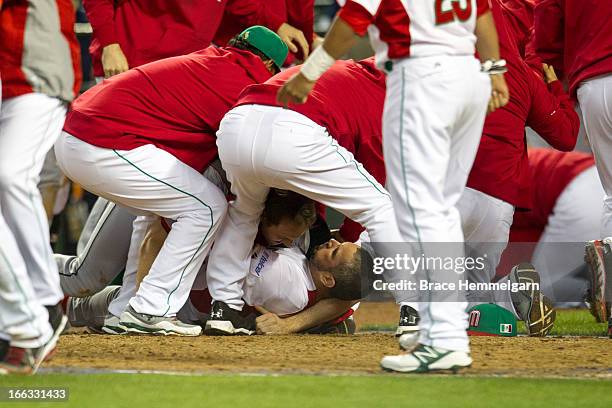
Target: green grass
(574,322)
(135,391)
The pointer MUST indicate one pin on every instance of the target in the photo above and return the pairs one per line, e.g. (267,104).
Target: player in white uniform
(434,112)
(282,282)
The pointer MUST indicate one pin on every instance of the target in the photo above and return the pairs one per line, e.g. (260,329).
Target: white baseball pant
(595,98)
(432,123)
(150,180)
(486,222)
(559,254)
(262,147)
(29,125)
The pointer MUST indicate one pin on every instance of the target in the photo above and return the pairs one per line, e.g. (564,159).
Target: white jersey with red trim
(415,28)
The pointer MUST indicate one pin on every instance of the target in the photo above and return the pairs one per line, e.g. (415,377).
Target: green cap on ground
(489,319)
(266,41)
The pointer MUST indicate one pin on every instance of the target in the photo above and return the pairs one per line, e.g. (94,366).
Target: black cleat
(225,321)
(408,322)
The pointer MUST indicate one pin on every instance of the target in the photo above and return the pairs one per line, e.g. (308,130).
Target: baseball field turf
(149,390)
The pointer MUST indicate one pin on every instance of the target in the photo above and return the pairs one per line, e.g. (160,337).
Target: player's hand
(549,73)
(113,60)
(270,323)
(295,90)
(292,36)
(500,95)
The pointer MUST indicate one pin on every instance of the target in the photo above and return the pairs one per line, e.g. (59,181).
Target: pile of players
(146,140)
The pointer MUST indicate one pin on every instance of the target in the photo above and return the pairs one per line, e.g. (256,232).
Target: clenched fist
(113,60)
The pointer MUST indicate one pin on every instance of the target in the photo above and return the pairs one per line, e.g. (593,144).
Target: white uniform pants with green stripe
(29,125)
(264,146)
(148,180)
(432,123)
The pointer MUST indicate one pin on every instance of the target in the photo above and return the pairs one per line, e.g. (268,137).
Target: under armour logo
(216,315)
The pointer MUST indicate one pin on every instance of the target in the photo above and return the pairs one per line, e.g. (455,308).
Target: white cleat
(424,359)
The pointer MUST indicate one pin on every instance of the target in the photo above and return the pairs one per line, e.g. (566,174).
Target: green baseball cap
(266,41)
(489,319)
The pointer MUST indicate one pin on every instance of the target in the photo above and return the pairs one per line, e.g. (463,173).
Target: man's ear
(328,280)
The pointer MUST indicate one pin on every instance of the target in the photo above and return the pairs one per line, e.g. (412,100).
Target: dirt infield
(521,356)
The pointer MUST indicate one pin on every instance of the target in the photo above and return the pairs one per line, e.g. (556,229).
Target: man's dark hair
(353,278)
(285,204)
(238,42)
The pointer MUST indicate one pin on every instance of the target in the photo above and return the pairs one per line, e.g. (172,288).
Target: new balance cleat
(425,359)
(140,323)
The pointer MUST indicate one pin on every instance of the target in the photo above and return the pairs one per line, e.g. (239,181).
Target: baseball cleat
(225,321)
(598,256)
(112,325)
(140,323)
(18,360)
(408,322)
(424,359)
(531,305)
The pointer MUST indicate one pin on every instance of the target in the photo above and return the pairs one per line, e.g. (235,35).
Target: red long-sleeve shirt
(501,168)
(149,30)
(175,104)
(298,13)
(575,36)
(348,101)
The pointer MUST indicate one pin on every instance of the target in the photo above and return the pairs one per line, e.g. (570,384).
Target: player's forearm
(487,43)
(339,39)
(321,312)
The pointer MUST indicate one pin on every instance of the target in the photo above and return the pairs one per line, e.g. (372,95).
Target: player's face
(333,253)
(284,233)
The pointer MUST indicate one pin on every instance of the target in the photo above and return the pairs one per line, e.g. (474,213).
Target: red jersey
(38,49)
(400,29)
(149,30)
(575,36)
(299,14)
(501,168)
(175,104)
(348,101)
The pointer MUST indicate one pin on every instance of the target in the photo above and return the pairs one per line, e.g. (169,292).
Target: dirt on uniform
(361,353)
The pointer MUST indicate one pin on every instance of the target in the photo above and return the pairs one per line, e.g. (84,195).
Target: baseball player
(306,149)
(142,139)
(575,37)
(281,282)
(565,212)
(39,62)
(434,111)
(499,180)
(169,28)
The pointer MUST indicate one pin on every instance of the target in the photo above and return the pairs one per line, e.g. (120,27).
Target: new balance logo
(425,354)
